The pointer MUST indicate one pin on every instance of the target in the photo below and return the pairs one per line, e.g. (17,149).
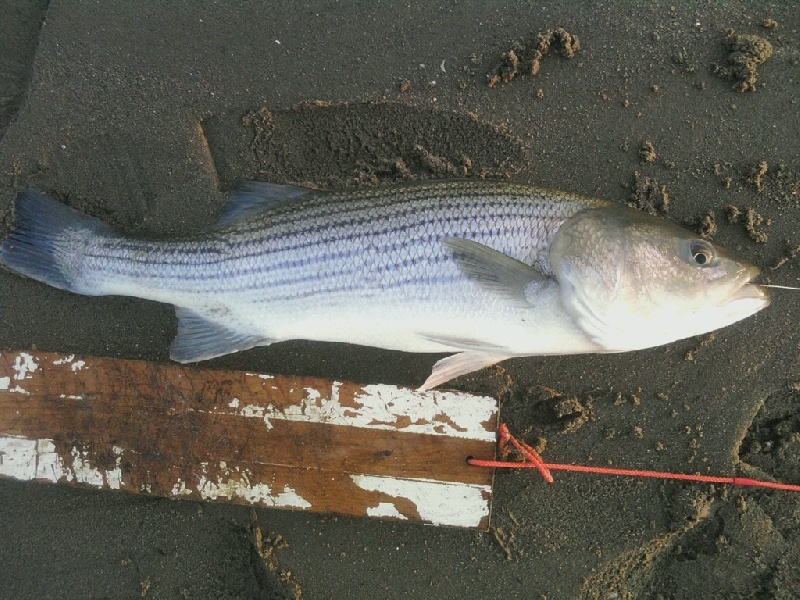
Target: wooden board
(286,442)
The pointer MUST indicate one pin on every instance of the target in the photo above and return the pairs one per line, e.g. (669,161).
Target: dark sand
(134,113)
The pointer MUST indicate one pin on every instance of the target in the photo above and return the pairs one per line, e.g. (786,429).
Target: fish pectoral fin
(250,198)
(459,364)
(199,338)
(496,271)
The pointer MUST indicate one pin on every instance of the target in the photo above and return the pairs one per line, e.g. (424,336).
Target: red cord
(534,461)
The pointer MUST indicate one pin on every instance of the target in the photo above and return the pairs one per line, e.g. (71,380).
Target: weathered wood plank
(290,442)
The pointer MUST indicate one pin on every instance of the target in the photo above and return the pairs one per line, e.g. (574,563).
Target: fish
(481,270)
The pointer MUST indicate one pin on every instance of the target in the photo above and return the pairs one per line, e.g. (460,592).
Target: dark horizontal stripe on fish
(359,283)
(402,220)
(280,274)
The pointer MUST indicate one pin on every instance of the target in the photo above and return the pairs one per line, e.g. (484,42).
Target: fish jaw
(745,302)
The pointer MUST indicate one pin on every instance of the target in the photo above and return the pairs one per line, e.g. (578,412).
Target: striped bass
(485,270)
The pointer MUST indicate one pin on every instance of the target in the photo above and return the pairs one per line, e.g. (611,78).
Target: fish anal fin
(200,338)
(250,198)
(459,364)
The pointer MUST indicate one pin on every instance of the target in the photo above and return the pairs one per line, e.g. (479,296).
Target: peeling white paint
(234,403)
(386,509)
(259,412)
(238,485)
(388,407)
(18,390)
(69,397)
(454,414)
(180,489)
(114,476)
(78,365)
(440,503)
(261,493)
(82,470)
(313,395)
(26,459)
(24,365)
(65,360)
(260,375)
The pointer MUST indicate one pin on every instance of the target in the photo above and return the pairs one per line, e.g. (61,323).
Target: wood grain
(290,442)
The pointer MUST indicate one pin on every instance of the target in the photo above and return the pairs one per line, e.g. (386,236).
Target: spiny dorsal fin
(250,198)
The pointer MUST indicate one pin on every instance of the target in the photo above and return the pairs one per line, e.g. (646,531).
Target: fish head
(631,280)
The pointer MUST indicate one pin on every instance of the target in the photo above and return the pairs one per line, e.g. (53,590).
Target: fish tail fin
(42,241)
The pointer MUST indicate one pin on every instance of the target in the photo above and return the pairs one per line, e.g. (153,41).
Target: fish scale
(334,242)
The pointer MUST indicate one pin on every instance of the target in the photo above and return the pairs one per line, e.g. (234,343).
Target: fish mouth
(749,291)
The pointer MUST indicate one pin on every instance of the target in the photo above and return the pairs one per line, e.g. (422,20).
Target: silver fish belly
(454,266)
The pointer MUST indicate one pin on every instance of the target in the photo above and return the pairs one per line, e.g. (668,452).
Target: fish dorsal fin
(199,338)
(496,271)
(250,198)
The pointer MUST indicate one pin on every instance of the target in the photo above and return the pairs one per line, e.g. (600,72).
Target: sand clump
(649,195)
(526,59)
(747,52)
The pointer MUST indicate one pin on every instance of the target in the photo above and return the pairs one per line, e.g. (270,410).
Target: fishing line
(779,287)
(507,443)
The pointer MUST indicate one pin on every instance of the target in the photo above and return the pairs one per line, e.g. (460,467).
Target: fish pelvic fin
(459,364)
(42,240)
(200,338)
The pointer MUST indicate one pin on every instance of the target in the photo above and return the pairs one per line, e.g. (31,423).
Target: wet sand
(145,115)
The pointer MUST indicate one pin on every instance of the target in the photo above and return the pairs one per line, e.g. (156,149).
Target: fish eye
(702,252)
